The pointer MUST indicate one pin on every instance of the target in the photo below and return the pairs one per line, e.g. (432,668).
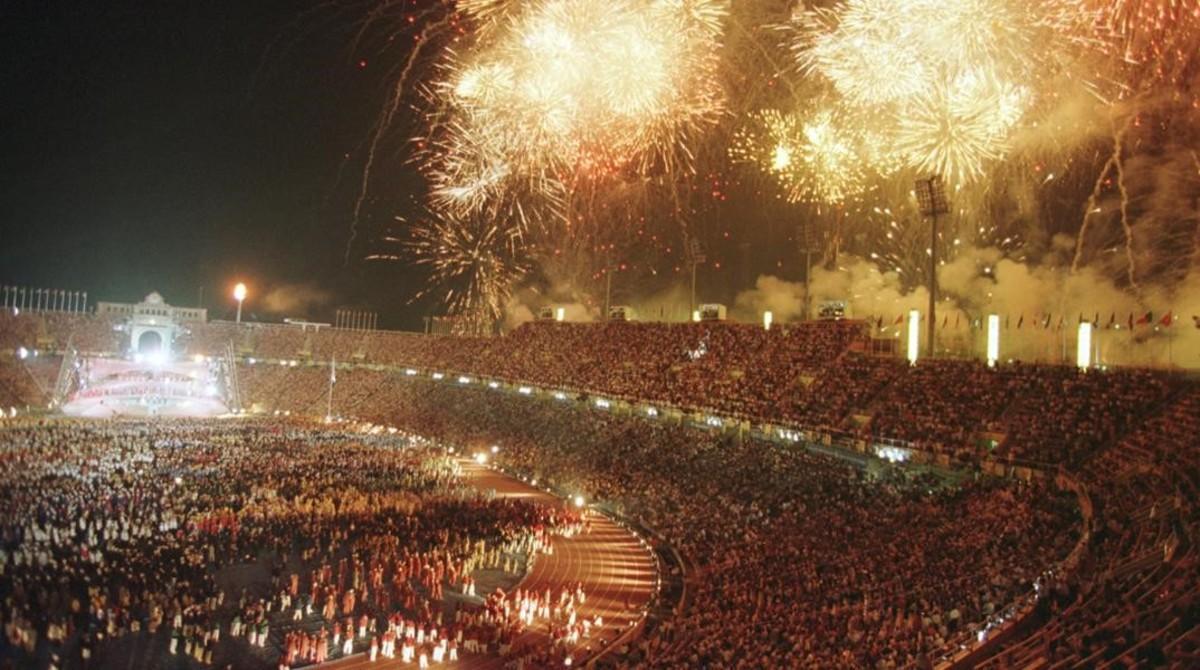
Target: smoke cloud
(526,303)
(1040,307)
(784,299)
(296,299)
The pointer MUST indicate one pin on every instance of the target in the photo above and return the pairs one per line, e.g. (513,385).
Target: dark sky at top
(167,146)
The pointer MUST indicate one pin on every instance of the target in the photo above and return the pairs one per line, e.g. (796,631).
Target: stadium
(624,494)
(613,334)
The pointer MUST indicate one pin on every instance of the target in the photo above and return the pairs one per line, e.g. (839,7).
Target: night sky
(174,145)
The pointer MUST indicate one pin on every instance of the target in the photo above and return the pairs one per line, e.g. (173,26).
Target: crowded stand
(28,382)
(1136,602)
(16,388)
(812,375)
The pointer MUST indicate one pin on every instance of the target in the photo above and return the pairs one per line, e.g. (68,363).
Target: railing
(66,375)
(1018,613)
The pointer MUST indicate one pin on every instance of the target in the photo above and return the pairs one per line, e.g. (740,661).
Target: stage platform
(145,388)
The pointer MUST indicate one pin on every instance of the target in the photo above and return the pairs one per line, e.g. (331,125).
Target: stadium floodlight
(1083,352)
(239,294)
(481,458)
(695,315)
(22,353)
(579,501)
(914,336)
(560,314)
(768,317)
(993,340)
(932,201)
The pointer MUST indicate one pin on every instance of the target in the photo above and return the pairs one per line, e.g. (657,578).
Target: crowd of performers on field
(224,542)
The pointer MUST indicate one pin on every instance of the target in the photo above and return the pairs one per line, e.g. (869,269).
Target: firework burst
(957,78)
(558,92)
(960,128)
(1158,38)
(474,267)
(815,157)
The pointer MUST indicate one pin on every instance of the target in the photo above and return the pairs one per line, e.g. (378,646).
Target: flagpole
(329,398)
(1170,342)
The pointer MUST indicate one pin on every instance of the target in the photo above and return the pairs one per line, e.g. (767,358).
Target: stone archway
(149,342)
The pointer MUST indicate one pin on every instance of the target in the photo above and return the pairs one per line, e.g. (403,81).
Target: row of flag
(1047,322)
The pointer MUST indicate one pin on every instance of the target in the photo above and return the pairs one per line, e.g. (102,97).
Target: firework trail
(388,114)
(1125,225)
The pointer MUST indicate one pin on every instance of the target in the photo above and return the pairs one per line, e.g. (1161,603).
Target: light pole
(608,270)
(931,198)
(239,294)
(695,257)
(804,245)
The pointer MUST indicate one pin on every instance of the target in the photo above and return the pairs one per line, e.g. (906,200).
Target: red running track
(617,572)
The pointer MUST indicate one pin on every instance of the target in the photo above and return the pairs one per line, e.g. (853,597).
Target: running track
(616,570)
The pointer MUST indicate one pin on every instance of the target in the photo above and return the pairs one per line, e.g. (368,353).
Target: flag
(899,320)
(957,317)
(1166,321)
(1046,324)
(1061,320)
(1131,321)
(1020,321)
(1112,320)
(1096,320)
(1196,320)
(1081,317)
(879,323)
(1145,318)
(945,321)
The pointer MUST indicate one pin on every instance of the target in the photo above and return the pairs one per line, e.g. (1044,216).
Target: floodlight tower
(932,201)
(804,244)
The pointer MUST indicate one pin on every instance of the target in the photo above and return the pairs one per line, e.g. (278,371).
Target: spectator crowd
(258,544)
